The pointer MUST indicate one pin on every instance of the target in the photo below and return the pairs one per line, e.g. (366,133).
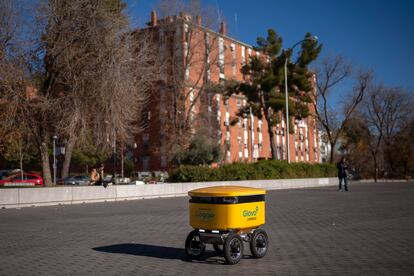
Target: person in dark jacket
(342,175)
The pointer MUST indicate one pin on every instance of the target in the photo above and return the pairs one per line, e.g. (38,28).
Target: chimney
(223,28)
(198,20)
(153,18)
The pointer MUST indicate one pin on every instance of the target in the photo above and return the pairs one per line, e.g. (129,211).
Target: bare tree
(329,75)
(355,141)
(15,138)
(80,78)
(402,150)
(386,111)
(94,65)
(399,114)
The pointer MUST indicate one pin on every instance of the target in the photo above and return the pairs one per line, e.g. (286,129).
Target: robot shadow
(160,252)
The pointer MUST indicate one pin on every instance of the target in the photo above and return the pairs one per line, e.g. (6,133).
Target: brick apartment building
(191,57)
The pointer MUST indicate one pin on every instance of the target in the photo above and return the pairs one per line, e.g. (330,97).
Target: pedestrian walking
(94,177)
(342,166)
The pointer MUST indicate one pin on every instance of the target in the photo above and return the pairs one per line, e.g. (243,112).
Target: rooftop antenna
(218,13)
(235,22)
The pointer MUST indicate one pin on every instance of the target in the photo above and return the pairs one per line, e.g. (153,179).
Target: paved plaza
(314,231)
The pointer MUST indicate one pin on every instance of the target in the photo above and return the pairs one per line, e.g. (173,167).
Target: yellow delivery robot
(227,216)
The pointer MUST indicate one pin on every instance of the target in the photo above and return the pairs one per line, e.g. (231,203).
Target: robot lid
(224,191)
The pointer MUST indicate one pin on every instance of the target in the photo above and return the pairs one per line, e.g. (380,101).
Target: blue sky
(372,35)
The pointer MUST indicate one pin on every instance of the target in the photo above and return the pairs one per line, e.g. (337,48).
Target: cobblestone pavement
(315,231)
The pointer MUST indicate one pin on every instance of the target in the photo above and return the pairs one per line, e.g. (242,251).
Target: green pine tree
(265,84)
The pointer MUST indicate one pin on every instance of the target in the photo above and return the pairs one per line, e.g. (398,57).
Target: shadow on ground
(137,249)
(155,251)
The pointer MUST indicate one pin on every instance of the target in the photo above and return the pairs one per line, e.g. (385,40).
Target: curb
(26,197)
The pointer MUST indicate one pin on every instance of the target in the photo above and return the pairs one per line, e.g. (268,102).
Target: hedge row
(269,169)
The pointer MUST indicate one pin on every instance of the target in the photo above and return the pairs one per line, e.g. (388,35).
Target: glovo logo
(205,215)
(248,213)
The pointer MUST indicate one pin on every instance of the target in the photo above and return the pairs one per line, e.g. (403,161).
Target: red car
(15,180)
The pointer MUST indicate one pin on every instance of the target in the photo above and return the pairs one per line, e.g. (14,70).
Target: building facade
(192,58)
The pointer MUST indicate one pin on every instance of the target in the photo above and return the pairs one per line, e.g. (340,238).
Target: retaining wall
(26,197)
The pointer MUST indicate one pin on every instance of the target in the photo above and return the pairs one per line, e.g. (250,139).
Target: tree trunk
(68,156)
(269,127)
(44,155)
(375,170)
(390,160)
(331,153)
(272,141)
(122,160)
(405,168)
(271,136)
(21,160)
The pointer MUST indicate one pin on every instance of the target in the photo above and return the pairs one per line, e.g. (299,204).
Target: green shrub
(266,169)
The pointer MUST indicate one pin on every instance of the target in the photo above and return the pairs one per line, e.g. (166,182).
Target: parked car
(25,180)
(81,180)
(118,180)
(6,173)
(154,177)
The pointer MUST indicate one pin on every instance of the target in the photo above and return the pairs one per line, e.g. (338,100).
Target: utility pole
(54,159)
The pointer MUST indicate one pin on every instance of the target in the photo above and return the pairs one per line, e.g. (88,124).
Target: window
(221,57)
(233,59)
(185,49)
(187,72)
(227,119)
(191,94)
(207,37)
(207,46)
(146,117)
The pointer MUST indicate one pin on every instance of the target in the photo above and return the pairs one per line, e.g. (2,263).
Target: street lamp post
(54,159)
(251,134)
(313,38)
(114,154)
